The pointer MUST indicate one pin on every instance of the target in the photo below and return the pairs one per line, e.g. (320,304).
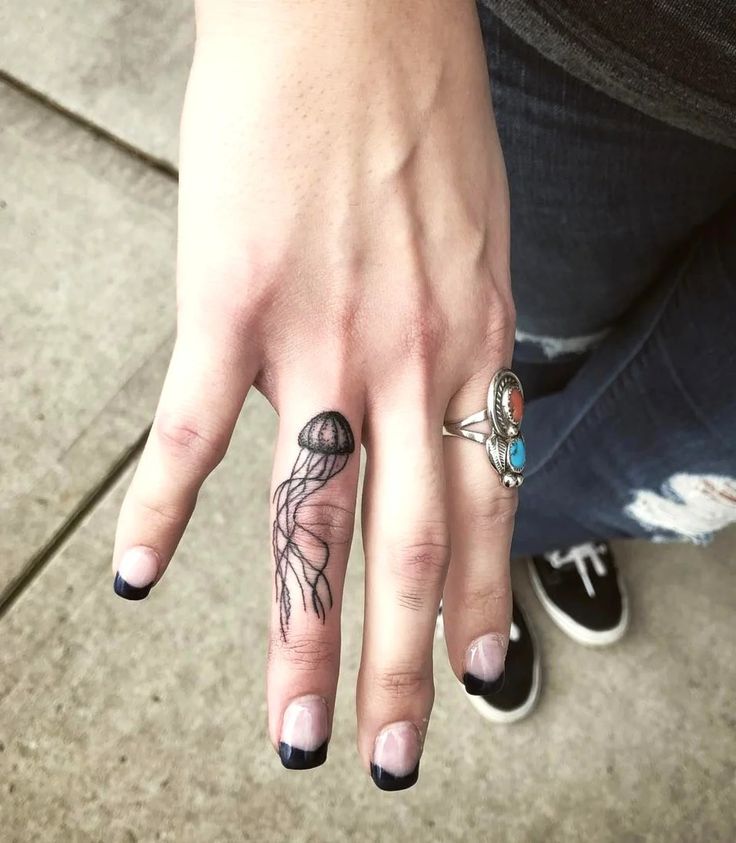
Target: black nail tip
(388,781)
(129,592)
(482,687)
(294,758)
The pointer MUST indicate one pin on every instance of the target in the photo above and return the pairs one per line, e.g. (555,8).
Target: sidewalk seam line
(47,552)
(161,166)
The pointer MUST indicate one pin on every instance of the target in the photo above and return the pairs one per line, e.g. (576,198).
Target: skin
(343,245)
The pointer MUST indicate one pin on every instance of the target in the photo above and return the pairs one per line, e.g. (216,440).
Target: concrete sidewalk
(146,722)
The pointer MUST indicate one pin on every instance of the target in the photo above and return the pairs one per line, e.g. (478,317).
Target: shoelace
(579,555)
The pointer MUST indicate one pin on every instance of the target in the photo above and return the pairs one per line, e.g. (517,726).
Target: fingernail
(484,662)
(304,734)
(395,763)
(136,573)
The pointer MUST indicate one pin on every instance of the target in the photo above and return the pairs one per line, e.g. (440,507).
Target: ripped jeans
(623,261)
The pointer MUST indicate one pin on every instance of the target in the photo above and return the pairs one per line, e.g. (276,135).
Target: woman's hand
(343,246)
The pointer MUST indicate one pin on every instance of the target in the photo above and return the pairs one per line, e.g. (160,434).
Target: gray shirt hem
(585,54)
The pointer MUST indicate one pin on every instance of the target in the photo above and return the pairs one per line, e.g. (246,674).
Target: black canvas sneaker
(582,593)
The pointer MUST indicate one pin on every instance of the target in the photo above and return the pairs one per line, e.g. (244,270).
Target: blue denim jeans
(623,261)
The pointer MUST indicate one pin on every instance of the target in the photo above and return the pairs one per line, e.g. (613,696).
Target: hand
(343,246)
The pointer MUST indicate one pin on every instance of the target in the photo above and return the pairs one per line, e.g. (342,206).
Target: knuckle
(426,330)
(510,312)
(419,569)
(186,439)
(488,517)
(349,322)
(326,521)
(304,651)
(483,598)
(160,510)
(403,682)
(500,325)
(502,509)
(413,599)
(234,316)
(501,300)
(422,563)
(228,268)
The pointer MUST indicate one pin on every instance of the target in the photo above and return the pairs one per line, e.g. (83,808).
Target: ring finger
(477,596)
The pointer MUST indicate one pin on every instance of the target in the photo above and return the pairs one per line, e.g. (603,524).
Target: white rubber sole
(576,631)
(505,718)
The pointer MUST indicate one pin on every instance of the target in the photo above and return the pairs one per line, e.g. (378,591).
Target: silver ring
(504,445)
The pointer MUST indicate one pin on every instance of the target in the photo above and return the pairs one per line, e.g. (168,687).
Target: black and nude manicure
(136,573)
(304,734)
(395,762)
(484,665)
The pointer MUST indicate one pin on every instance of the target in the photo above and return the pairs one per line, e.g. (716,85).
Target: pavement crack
(48,551)
(163,167)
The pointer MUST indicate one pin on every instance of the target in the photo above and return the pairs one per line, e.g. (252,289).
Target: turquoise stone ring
(504,445)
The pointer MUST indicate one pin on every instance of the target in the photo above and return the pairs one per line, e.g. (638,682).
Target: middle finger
(406,539)
(312,508)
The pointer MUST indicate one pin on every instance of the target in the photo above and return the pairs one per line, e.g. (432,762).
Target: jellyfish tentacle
(312,580)
(313,583)
(288,495)
(316,576)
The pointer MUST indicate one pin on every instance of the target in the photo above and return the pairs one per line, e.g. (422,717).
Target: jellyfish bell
(327,433)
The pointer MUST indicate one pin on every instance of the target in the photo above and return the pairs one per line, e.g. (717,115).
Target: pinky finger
(201,398)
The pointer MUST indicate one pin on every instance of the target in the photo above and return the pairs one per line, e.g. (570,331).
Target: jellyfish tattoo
(300,555)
